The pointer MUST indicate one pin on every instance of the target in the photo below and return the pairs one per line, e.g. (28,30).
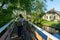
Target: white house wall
(57,17)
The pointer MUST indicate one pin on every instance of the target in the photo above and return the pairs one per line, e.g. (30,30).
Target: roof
(58,12)
(53,11)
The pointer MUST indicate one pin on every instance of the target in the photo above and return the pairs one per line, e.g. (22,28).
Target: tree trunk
(27,13)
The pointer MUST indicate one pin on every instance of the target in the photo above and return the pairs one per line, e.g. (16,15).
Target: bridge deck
(32,32)
(14,35)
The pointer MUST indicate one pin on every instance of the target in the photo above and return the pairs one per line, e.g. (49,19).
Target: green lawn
(49,23)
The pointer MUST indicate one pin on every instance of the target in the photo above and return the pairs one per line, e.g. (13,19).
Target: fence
(9,28)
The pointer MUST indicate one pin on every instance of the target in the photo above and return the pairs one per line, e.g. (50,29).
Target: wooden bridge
(32,32)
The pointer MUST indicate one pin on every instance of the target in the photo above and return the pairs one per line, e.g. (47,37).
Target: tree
(39,7)
(22,5)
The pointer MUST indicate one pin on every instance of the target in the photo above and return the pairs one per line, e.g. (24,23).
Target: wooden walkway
(14,35)
(32,32)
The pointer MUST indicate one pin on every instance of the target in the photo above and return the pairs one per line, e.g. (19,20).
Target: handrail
(44,32)
(5,26)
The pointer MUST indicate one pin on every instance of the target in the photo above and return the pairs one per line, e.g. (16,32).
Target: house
(52,15)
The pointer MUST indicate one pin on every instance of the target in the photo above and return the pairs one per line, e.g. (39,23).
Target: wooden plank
(38,36)
(6,35)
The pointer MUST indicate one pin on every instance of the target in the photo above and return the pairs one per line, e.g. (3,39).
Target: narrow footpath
(14,35)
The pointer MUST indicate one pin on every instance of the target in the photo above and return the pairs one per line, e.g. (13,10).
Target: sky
(53,4)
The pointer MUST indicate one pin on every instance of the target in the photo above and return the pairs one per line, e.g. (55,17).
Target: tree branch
(2,4)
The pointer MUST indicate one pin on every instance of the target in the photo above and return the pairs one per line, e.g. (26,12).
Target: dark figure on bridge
(20,25)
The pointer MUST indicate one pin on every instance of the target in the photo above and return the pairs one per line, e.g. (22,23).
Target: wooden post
(49,38)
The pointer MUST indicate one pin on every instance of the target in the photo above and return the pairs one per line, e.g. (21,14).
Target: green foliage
(37,16)
(49,23)
(39,8)
(57,25)
(5,16)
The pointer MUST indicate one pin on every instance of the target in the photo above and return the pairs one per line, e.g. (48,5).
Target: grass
(49,23)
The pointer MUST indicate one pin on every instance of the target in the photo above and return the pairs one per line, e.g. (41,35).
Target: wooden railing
(8,30)
(39,33)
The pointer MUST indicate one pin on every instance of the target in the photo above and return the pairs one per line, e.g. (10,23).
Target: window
(50,17)
(46,17)
(54,17)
